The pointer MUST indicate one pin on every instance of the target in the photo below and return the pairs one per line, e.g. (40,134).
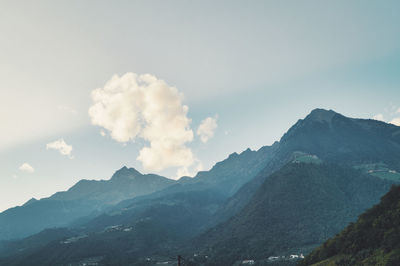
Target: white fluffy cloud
(27,168)
(207,128)
(142,106)
(60,146)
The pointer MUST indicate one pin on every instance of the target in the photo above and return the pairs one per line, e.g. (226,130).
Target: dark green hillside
(295,209)
(373,240)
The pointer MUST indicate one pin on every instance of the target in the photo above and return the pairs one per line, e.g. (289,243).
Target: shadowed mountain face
(334,137)
(373,240)
(331,137)
(296,208)
(230,174)
(85,197)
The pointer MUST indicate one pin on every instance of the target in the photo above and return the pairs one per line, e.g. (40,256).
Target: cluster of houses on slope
(73,239)
(113,228)
(290,257)
(272,259)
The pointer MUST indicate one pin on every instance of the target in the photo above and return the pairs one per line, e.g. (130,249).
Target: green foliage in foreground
(373,240)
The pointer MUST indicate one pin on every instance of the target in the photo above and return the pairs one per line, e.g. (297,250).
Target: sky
(172,87)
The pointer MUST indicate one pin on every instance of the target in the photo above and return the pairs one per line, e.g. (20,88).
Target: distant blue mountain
(89,198)
(82,199)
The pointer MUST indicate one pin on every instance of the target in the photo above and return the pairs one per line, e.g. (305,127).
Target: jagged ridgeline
(373,240)
(262,206)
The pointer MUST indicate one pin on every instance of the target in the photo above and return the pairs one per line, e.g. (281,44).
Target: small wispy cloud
(61,146)
(27,168)
(207,128)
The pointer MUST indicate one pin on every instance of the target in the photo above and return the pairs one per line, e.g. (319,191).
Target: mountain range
(84,198)
(283,199)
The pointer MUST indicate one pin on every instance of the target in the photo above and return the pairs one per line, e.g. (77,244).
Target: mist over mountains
(283,199)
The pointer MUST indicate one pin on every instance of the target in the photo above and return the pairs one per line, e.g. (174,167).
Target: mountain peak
(125,172)
(233,155)
(32,200)
(247,151)
(320,115)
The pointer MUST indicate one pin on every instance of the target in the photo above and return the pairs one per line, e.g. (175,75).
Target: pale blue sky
(258,65)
